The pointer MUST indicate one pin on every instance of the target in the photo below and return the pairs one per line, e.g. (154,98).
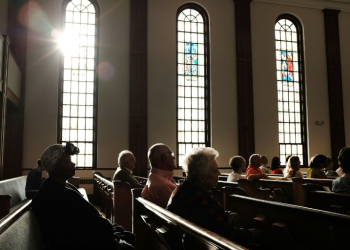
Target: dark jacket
(194,204)
(123,174)
(68,221)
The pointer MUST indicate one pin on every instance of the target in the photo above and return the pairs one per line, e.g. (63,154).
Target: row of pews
(307,217)
(252,205)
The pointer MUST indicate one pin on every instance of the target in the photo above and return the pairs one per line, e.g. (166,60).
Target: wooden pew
(20,230)
(157,228)
(122,204)
(12,194)
(103,195)
(298,190)
(317,197)
(286,186)
(117,200)
(301,227)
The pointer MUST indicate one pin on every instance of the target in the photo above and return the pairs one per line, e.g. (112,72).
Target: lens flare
(105,71)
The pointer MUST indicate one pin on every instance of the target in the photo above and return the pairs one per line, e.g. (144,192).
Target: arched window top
(81,6)
(190,15)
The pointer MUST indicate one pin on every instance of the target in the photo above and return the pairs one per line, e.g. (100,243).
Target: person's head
(56,159)
(255,160)
(329,163)
(318,161)
(344,159)
(275,163)
(294,163)
(264,159)
(160,156)
(201,166)
(127,160)
(237,164)
(39,166)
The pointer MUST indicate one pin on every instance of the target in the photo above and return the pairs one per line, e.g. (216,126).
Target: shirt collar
(164,173)
(126,169)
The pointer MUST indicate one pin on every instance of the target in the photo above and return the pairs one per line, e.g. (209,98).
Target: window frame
(206,34)
(95,94)
(302,89)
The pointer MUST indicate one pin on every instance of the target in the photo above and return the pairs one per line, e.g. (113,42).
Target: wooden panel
(138,85)
(335,92)
(245,102)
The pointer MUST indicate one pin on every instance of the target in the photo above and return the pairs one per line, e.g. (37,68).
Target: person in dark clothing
(66,219)
(191,199)
(34,180)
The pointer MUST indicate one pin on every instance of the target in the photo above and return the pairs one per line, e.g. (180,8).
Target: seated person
(253,171)
(127,164)
(264,161)
(66,219)
(317,163)
(329,171)
(237,164)
(191,199)
(33,181)
(160,184)
(292,168)
(342,183)
(275,166)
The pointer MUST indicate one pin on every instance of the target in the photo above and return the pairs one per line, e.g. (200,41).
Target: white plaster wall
(344,34)
(3,16)
(162,75)
(41,105)
(263,18)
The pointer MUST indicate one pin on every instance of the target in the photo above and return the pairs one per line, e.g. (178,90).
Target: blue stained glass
(287,65)
(191,59)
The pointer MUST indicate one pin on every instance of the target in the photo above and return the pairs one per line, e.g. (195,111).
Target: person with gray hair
(127,164)
(160,184)
(191,199)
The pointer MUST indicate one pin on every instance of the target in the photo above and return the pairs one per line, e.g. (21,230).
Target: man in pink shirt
(160,184)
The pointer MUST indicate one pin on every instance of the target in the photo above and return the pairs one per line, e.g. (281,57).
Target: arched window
(193,114)
(291,90)
(78,83)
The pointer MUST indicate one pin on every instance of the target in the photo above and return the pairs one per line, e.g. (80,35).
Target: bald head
(160,156)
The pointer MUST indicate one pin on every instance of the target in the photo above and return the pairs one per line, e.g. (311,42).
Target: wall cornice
(342,5)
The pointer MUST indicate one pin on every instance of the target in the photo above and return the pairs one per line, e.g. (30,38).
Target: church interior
(244,77)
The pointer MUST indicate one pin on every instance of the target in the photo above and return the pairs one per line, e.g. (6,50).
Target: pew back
(297,225)
(157,228)
(12,194)
(20,230)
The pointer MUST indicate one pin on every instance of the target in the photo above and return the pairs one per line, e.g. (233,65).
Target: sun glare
(68,43)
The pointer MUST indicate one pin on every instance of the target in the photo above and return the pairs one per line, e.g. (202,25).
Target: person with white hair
(66,219)
(191,199)
(160,184)
(127,164)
